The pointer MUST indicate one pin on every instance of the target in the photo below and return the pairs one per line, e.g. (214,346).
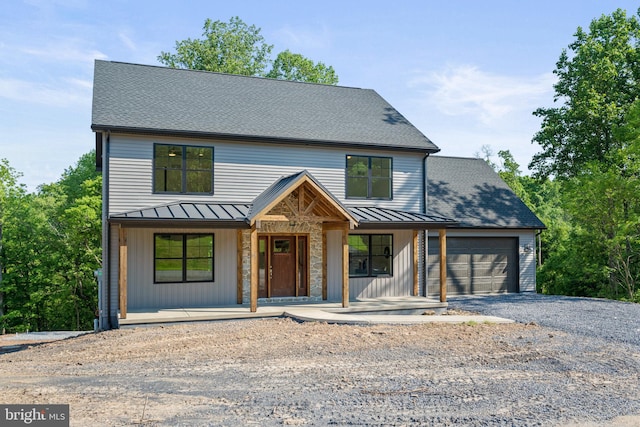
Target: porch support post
(442,237)
(345,266)
(254,270)
(239,266)
(324,265)
(416,290)
(122,271)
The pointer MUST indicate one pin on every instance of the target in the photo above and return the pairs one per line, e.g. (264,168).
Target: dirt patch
(279,372)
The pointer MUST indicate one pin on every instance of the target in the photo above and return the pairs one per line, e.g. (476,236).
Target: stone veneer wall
(311,228)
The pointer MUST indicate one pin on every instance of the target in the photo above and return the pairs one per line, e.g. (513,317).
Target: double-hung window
(369,177)
(183,258)
(182,169)
(370,255)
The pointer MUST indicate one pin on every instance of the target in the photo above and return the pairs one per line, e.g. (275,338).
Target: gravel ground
(613,321)
(279,372)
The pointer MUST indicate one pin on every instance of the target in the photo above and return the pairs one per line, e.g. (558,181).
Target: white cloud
(126,40)
(65,51)
(296,38)
(467,90)
(65,3)
(74,92)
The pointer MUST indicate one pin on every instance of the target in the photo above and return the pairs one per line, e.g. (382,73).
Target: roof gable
(280,189)
(471,192)
(152,99)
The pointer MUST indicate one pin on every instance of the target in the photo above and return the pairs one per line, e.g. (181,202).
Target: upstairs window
(182,169)
(369,177)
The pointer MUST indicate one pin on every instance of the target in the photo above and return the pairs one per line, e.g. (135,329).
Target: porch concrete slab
(330,312)
(198,314)
(399,319)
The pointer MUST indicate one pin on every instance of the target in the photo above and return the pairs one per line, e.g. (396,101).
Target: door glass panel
(302,264)
(281,246)
(262,267)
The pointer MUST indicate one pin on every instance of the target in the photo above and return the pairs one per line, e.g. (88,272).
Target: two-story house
(222,189)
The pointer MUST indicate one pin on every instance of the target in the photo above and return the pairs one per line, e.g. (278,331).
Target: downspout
(538,235)
(425,236)
(105,318)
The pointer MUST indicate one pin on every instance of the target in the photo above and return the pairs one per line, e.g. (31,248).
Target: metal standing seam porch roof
(234,215)
(242,215)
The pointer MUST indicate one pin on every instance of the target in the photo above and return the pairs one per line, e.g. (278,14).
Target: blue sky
(466,73)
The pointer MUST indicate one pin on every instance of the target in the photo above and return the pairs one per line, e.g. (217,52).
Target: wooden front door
(283,266)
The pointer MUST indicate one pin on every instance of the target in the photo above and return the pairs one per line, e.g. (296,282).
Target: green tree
(28,262)
(590,146)
(238,48)
(50,248)
(597,254)
(486,153)
(511,174)
(10,189)
(234,48)
(293,66)
(598,79)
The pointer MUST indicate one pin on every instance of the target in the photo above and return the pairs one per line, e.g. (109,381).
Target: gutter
(261,139)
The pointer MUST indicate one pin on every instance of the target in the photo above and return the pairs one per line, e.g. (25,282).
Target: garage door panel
(481,286)
(501,284)
(475,265)
(490,257)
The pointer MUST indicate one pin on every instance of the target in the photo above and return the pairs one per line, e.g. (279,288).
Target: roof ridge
(162,67)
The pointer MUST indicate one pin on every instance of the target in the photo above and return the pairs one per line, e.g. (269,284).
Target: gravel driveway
(613,321)
(545,371)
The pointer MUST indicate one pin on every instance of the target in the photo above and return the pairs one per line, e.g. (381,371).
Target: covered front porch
(291,242)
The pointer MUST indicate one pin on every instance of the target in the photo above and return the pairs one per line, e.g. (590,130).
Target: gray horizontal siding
(244,170)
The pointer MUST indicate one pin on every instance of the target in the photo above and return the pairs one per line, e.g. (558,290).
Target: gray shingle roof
(154,99)
(471,192)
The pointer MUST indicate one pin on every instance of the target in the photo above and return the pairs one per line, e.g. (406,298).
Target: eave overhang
(257,138)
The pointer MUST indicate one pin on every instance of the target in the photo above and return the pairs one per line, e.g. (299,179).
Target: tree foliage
(233,47)
(238,48)
(591,146)
(293,66)
(50,249)
(598,79)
